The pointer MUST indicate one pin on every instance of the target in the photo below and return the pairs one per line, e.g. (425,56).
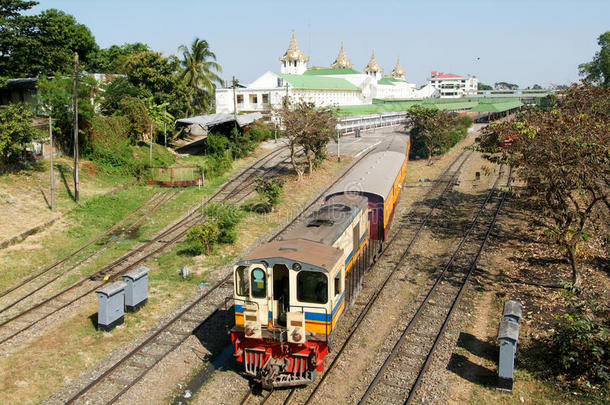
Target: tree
(536,87)
(44,44)
(158,76)
(138,119)
(111,60)
(199,71)
(16,133)
(56,95)
(117,90)
(505,86)
(429,129)
(307,128)
(561,152)
(598,70)
(483,86)
(13,30)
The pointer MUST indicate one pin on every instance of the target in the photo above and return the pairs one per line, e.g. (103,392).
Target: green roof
(318,82)
(388,80)
(497,106)
(322,71)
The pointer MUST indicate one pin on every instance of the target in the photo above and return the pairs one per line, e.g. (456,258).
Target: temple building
(337,85)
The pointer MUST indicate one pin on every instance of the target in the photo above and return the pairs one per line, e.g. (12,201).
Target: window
(240,99)
(259,283)
(312,286)
(253,99)
(265,98)
(356,238)
(338,289)
(241,282)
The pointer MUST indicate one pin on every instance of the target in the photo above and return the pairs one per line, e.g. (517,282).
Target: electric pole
(234,98)
(151,140)
(75,112)
(51,160)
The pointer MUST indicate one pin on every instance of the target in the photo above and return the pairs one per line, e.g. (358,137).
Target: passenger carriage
(290,294)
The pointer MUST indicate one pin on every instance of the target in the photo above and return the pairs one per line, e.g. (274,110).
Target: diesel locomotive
(290,294)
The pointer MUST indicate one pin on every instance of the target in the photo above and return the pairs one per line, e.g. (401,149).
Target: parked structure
(452,85)
(340,84)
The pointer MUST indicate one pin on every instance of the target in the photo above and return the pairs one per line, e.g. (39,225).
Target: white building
(451,85)
(335,86)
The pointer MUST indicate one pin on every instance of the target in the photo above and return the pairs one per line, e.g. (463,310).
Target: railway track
(441,186)
(35,314)
(113,383)
(402,372)
(50,274)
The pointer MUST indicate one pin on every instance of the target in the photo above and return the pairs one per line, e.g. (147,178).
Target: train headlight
(296,266)
(249,332)
(296,336)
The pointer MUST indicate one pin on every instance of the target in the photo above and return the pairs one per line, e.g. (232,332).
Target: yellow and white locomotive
(290,294)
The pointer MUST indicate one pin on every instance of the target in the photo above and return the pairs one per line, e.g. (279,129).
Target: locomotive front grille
(254,360)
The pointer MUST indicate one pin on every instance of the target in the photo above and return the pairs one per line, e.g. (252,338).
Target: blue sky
(517,41)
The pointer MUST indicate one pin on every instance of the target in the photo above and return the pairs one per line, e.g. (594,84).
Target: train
(290,293)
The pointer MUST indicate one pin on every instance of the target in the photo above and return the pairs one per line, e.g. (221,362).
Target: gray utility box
(508,335)
(136,292)
(512,311)
(110,306)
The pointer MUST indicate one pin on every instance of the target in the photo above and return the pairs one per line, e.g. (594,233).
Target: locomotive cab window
(312,286)
(242,287)
(338,289)
(259,283)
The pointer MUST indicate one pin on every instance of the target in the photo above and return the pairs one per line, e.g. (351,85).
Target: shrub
(260,132)
(269,190)
(202,238)
(227,216)
(217,144)
(580,345)
(256,205)
(16,133)
(215,165)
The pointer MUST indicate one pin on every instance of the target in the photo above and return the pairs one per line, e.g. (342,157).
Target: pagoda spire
(342,61)
(398,72)
(373,68)
(294,60)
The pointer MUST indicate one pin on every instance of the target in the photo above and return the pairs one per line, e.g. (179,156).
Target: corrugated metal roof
(211,120)
(496,107)
(318,82)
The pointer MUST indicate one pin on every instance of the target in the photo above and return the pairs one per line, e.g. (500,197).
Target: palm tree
(200,72)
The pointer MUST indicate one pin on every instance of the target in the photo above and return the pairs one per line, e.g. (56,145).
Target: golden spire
(342,60)
(398,72)
(293,53)
(373,66)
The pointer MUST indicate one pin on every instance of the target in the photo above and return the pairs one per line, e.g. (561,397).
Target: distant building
(452,85)
(338,85)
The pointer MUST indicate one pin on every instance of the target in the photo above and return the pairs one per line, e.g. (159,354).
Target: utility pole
(51,160)
(165,126)
(234,98)
(151,137)
(338,151)
(75,112)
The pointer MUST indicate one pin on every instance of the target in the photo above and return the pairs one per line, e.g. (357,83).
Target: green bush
(260,132)
(227,216)
(269,190)
(16,134)
(256,205)
(216,165)
(580,345)
(217,145)
(202,238)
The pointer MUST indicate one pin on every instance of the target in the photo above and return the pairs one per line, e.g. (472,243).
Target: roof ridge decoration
(373,66)
(293,52)
(398,72)
(342,60)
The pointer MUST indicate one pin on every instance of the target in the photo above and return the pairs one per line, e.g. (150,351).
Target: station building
(451,85)
(337,85)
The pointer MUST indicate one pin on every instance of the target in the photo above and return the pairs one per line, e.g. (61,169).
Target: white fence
(348,125)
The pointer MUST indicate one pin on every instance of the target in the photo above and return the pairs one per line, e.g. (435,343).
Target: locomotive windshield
(259,283)
(312,286)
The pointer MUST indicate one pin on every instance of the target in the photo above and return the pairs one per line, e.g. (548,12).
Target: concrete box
(508,335)
(110,306)
(136,291)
